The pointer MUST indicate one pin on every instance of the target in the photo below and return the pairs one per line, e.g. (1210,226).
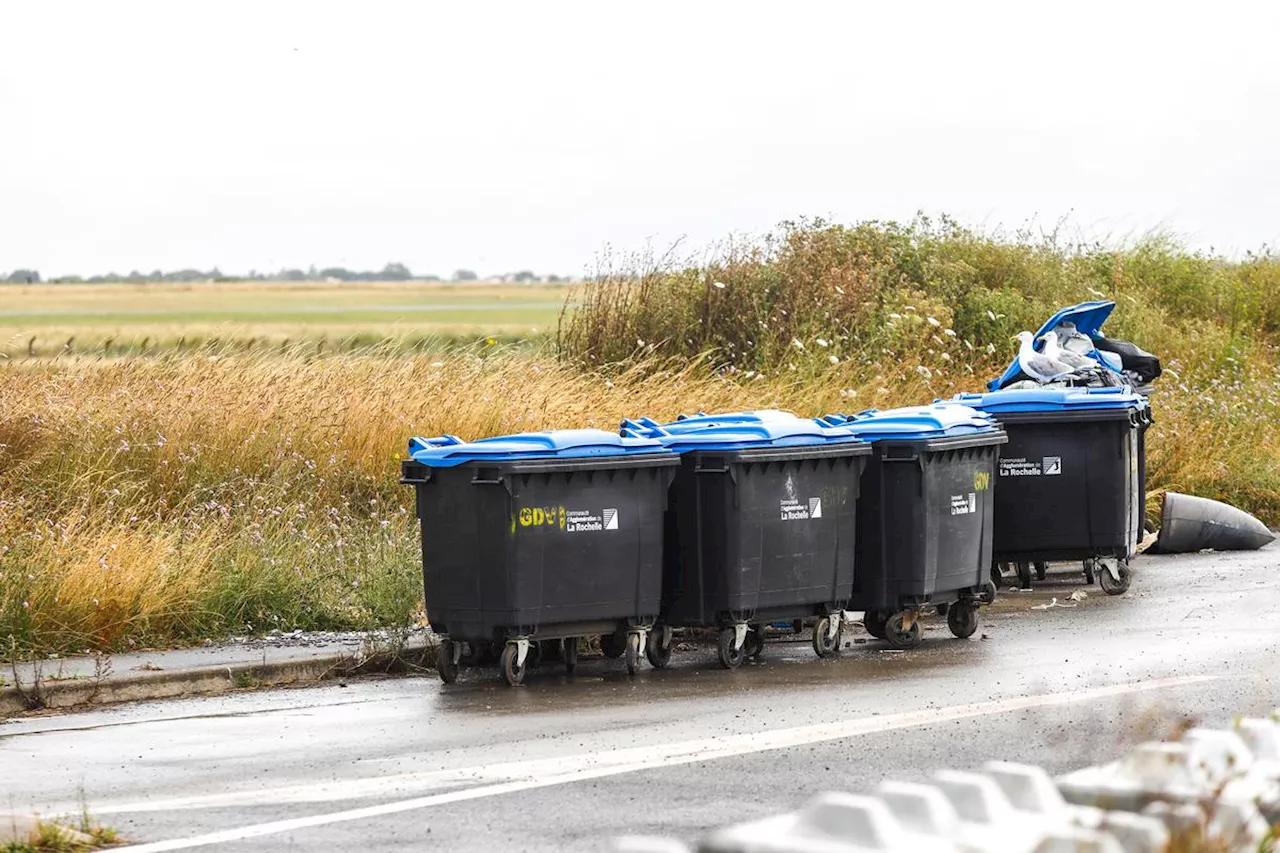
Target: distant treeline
(390,272)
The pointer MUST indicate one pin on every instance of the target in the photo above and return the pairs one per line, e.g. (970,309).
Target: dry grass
(149,501)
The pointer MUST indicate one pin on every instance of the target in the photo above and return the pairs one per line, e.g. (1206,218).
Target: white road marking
(542,773)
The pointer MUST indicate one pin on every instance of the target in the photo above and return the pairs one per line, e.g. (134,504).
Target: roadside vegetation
(226,487)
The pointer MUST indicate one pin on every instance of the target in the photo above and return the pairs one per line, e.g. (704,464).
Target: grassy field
(222,488)
(132,318)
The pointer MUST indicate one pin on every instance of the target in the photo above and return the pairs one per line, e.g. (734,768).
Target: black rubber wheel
(729,657)
(613,646)
(874,621)
(753,645)
(997,576)
(988,593)
(1110,585)
(963,619)
(659,655)
(1042,570)
(569,652)
(512,672)
(1090,576)
(633,653)
(898,636)
(444,662)
(825,646)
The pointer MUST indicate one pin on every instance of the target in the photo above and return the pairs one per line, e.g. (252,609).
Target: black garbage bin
(761,528)
(924,522)
(537,537)
(1072,481)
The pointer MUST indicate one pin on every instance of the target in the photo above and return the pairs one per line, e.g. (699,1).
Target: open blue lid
(448,451)
(1088,318)
(1052,400)
(939,420)
(737,431)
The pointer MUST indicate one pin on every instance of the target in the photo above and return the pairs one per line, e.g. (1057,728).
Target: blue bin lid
(1052,400)
(448,451)
(912,423)
(1088,318)
(737,431)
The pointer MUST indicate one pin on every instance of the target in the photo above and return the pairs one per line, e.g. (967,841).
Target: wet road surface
(564,764)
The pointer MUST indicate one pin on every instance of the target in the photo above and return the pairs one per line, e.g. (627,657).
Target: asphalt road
(564,764)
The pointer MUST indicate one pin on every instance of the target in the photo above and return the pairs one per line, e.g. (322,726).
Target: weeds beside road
(148,501)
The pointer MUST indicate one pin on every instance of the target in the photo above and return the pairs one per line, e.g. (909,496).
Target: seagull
(1038,366)
(1054,350)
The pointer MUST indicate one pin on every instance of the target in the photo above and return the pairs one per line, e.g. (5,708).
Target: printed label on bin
(570,520)
(964,504)
(1048,466)
(790,509)
(590,521)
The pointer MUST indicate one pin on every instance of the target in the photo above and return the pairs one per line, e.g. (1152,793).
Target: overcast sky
(503,136)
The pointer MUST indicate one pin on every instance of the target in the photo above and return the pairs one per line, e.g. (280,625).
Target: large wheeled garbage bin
(1072,482)
(760,528)
(539,537)
(925,518)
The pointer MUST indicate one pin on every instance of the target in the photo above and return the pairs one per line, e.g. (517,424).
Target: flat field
(126,318)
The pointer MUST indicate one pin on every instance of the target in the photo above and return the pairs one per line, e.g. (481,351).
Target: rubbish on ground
(1189,524)
(1053,603)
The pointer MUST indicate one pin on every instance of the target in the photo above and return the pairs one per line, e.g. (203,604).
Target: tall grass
(189,494)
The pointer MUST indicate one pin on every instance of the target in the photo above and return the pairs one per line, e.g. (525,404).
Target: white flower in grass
(951,333)
(924,371)
(933,321)
(822,342)
(833,359)
(795,342)
(719,284)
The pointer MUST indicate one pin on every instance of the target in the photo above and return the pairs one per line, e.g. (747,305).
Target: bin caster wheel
(1111,585)
(612,646)
(1090,576)
(633,653)
(659,655)
(1024,575)
(824,645)
(730,657)
(512,671)
(997,575)
(445,664)
(963,619)
(753,647)
(988,593)
(1042,570)
(899,636)
(874,621)
(569,651)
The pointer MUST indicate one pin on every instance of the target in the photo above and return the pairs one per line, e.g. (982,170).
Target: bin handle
(416,444)
(420,477)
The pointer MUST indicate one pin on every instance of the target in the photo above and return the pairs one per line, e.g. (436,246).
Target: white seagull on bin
(1054,350)
(1038,365)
